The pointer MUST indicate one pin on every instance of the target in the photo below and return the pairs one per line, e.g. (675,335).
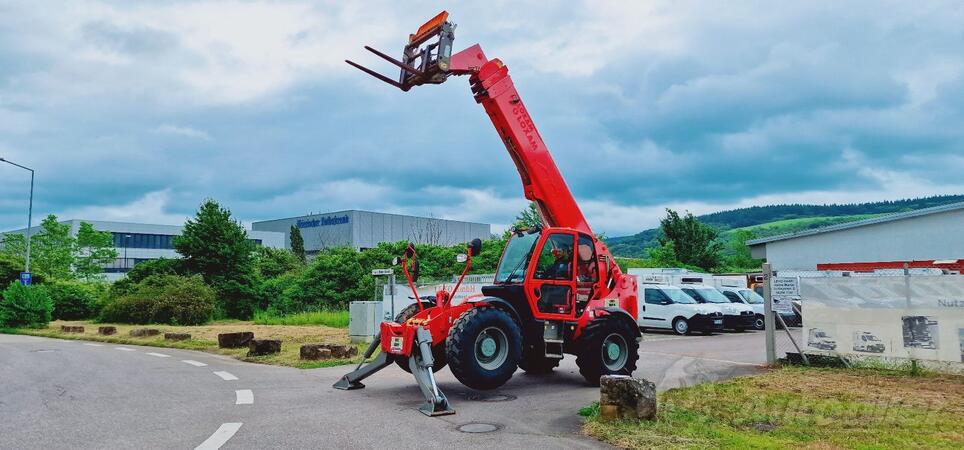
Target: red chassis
(557,289)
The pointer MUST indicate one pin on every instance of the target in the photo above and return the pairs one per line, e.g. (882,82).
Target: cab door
(551,286)
(654,311)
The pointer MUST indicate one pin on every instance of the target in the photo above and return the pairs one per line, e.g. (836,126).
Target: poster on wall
(920,332)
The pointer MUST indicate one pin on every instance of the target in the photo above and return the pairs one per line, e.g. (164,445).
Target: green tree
(52,250)
(216,247)
(297,243)
(740,258)
(25,306)
(93,250)
(273,262)
(528,218)
(334,278)
(694,242)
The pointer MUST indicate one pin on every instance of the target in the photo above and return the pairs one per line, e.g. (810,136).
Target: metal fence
(896,315)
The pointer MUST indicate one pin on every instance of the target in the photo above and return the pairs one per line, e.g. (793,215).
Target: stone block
(260,347)
(71,329)
(177,336)
(144,332)
(235,340)
(106,331)
(623,397)
(315,352)
(339,351)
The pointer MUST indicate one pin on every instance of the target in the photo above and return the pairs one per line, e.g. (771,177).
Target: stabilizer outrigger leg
(352,380)
(421,362)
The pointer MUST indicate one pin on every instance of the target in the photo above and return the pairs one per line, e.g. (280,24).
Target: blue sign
(323,222)
(26,278)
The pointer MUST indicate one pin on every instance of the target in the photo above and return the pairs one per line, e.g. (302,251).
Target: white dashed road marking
(193,362)
(245,397)
(95,345)
(224,432)
(226,376)
(159,355)
(125,349)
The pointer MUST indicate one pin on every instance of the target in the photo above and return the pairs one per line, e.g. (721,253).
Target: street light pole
(29,211)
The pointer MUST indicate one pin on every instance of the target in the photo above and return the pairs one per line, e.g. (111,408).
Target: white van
(668,307)
(736,316)
(747,297)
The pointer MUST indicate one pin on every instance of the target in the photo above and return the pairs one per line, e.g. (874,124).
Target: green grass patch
(334,319)
(798,407)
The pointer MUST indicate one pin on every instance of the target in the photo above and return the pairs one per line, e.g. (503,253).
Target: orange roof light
(427,27)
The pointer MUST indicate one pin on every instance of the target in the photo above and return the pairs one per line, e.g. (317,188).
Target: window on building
(144,240)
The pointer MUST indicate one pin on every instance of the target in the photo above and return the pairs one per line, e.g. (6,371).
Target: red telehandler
(557,289)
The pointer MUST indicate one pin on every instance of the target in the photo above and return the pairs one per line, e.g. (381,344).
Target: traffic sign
(783,291)
(382,272)
(26,278)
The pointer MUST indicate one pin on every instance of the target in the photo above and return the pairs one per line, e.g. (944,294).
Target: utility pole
(29,211)
(768,323)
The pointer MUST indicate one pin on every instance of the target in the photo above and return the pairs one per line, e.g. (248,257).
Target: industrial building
(931,237)
(139,242)
(365,229)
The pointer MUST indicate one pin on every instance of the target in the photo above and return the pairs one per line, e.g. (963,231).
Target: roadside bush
(277,295)
(25,306)
(334,279)
(168,299)
(143,270)
(74,300)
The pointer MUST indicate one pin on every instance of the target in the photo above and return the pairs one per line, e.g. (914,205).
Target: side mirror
(410,251)
(461,257)
(475,247)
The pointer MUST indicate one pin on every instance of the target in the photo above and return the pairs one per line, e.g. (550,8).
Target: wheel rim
(682,326)
(615,352)
(491,348)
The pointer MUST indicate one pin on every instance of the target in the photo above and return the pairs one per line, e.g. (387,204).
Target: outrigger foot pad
(352,380)
(347,385)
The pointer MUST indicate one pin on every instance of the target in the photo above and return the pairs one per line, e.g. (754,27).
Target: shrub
(277,295)
(143,270)
(334,279)
(25,306)
(74,300)
(170,299)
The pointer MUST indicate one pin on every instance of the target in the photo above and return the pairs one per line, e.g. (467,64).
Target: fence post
(768,323)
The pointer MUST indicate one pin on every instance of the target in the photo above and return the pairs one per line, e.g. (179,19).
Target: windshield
(751,297)
(678,296)
(515,258)
(709,295)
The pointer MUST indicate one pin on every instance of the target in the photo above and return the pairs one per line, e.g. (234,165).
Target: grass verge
(797,407)
(334,319)
(205,338)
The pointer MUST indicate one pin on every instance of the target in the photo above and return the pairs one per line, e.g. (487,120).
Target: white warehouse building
(934,235)
(139,242)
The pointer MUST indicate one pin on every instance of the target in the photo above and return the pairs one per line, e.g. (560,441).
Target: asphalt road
(73,394)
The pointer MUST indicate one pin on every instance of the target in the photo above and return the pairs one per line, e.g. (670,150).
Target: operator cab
(557,269)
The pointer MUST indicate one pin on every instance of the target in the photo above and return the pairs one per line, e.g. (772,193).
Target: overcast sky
(139,110)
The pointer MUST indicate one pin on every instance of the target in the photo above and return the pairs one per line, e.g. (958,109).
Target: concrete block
(339,351)
(623,397)
(259,347)
(106,331)
(71,329)
(144,332)
(315,352)
(235,340)
(177,336)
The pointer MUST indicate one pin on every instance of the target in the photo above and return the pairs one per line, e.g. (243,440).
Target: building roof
(860,223)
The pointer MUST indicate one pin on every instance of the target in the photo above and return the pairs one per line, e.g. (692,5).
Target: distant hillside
(778,219)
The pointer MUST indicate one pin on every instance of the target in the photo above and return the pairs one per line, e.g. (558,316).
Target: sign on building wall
(919,317)
(322,221)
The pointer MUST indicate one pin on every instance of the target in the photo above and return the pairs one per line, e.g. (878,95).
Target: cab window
(655,297)
(555,259)
(734,298)
(587,269)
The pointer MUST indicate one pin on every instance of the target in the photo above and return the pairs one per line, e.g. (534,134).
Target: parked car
(736,316)
(668,307)
(747,297)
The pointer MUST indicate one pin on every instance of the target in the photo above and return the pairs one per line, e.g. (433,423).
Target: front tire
(759,323)
(608,347)
(681,326)
(484,348)
(438,351)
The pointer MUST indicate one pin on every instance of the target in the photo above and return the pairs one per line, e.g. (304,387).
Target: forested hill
(755,216)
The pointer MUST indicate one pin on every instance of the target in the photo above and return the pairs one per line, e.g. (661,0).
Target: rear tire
(608,346)
(484,348)
(438,351)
